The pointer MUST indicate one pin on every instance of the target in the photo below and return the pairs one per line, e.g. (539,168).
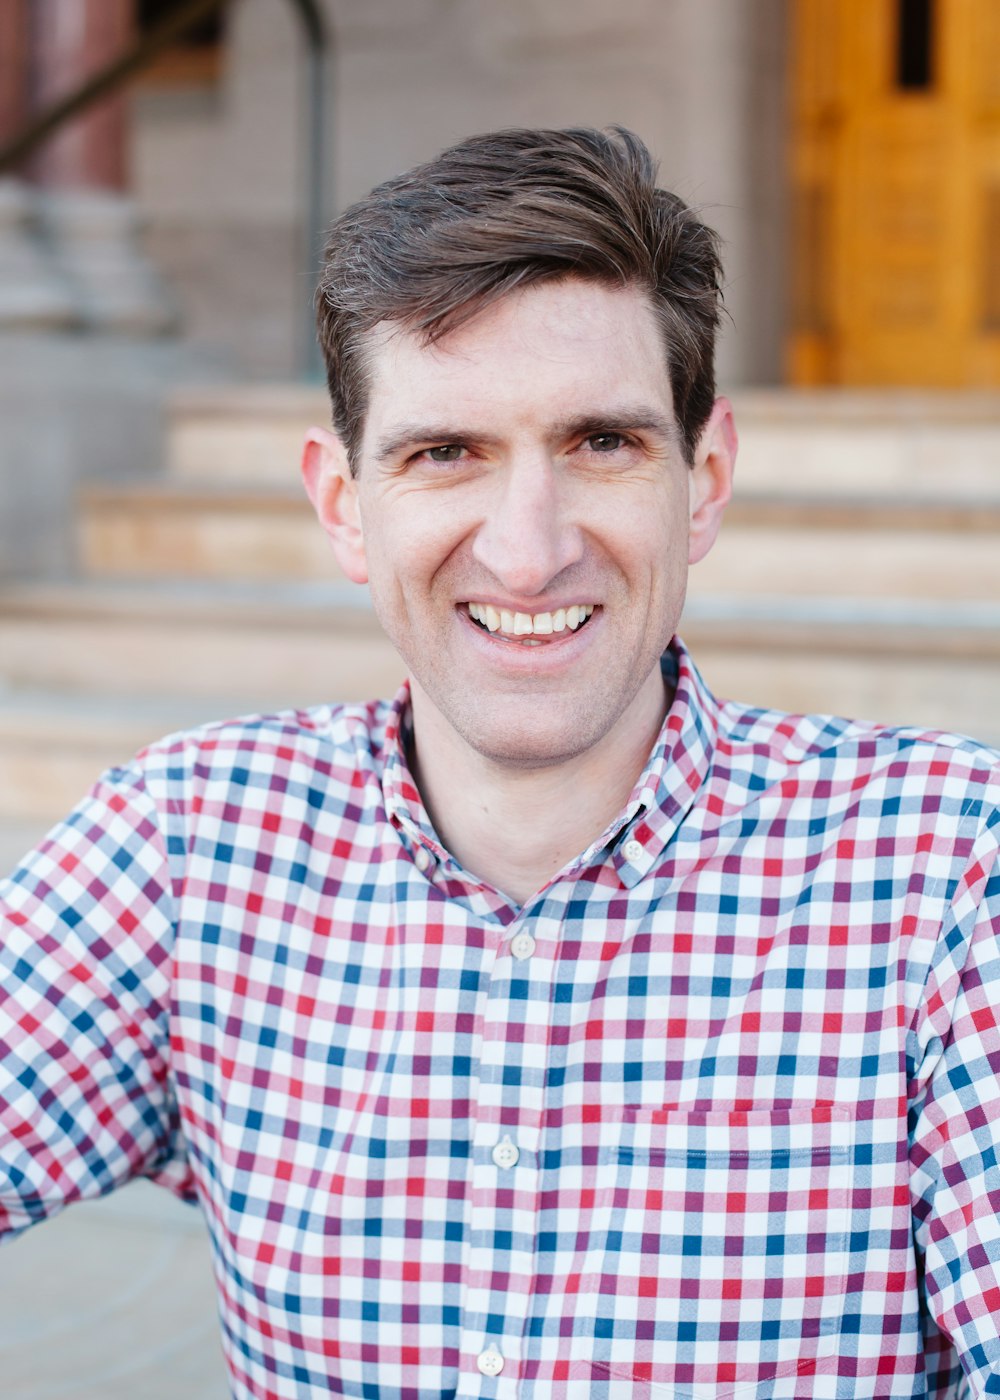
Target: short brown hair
(434,246)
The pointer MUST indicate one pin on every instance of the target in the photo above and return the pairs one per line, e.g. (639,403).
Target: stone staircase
(859,569)
(858,572)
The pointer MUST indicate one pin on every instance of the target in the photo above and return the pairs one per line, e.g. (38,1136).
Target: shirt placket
(499,1261)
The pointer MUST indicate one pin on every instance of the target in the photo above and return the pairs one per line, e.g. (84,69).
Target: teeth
(519,624)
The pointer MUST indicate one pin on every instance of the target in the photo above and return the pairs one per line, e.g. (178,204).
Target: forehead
(546,349)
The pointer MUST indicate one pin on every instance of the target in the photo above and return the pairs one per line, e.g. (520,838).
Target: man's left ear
(333,491)
(711,483)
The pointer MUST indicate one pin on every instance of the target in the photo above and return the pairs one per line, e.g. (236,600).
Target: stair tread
(325,604)
(270,399)
(184,493)
(312,601)
(780,404)
(81,719)
(238,603)
(751,503)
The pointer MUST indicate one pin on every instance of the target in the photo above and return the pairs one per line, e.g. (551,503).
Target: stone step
(936,665)
(855,547)
(770,542)
(281,645)
(242,433)
(877,442)
(112,1300)
(254,649)
(132,669)
(53,746)
(183,530)
(913,443)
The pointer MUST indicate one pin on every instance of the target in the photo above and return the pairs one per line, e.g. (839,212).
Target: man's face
(525,518)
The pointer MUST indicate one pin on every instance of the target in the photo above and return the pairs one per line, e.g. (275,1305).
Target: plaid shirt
(713,1114)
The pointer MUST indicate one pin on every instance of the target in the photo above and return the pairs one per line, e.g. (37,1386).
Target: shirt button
(632,850)
(522,945)
(423,859)
(505,1154)
(490,1362)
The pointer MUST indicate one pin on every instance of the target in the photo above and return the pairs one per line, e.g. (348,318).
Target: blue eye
(448,452)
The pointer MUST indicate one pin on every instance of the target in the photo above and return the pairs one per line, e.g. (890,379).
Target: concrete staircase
(859,572)
(859,569)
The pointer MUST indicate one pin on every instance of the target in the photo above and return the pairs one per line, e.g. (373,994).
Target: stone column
(82,170)
(31,293)
(74,38)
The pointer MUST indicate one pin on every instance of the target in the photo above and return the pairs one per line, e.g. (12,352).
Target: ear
(711,483)
(334,495)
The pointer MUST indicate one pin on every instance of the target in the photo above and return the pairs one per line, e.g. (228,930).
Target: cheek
(408,545)
(653,534)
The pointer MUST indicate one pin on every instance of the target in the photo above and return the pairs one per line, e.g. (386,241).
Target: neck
(517,827)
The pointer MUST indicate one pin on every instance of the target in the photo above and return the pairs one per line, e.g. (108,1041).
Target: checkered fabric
(715,1113)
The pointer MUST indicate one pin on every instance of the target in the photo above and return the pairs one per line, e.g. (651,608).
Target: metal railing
(185,15)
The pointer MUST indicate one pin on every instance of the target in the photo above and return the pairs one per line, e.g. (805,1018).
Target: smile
(529,628)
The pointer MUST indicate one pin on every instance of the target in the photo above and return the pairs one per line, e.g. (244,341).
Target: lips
(529,627)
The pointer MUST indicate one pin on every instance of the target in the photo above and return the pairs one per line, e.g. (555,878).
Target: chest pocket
(727,1262)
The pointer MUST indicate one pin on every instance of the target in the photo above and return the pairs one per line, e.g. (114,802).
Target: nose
(527,537)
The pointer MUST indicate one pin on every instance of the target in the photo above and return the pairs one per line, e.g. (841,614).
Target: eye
(605,442)
(447,452)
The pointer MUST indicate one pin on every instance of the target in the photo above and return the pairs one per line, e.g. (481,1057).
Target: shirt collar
(403,803)
(663,794)
(677,767)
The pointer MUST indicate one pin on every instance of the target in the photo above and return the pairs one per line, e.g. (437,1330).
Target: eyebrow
(637,418)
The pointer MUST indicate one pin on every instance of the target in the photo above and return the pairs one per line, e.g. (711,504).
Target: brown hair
(434,246)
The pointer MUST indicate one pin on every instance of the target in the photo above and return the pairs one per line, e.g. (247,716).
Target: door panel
(896,175)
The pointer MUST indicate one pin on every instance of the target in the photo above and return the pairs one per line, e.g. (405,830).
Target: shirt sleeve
(955,1121)
(86,941)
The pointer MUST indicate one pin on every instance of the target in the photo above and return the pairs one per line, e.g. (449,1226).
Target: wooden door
(896,179)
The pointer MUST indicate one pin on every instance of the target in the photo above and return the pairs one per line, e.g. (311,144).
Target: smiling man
(524,508)
(553,1030)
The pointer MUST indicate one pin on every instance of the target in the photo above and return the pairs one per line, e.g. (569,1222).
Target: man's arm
(955,1120)
(86,940)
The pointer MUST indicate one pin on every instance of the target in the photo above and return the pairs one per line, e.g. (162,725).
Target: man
(554,1030)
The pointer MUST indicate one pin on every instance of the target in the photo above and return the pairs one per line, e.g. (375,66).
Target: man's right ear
(334,495)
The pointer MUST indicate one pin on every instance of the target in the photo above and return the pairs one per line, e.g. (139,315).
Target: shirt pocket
(725,1265)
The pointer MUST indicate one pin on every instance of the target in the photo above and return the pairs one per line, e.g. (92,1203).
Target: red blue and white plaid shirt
(715,1113)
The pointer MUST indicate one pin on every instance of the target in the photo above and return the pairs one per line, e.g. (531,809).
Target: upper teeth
(519,624)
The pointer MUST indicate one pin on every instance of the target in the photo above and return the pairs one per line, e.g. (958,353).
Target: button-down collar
(656,805)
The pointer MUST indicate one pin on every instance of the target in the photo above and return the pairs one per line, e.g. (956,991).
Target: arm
(955,1121)
(86,936)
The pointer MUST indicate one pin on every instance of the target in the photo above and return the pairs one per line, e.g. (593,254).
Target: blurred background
(166,167)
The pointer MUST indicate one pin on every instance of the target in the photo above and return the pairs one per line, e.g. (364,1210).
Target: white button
(522,945)
(423,858)
(505,1154)
(632,850)
(490,1362)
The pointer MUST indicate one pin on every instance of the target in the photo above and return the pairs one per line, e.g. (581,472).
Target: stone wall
(218,173)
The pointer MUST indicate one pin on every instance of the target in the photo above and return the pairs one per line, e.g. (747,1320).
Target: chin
(523,745)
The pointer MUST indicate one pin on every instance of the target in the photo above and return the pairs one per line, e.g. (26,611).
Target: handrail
(318,164)
(116,74)
(106,80)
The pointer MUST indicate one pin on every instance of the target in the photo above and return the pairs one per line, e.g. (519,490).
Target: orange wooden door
(896,179)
